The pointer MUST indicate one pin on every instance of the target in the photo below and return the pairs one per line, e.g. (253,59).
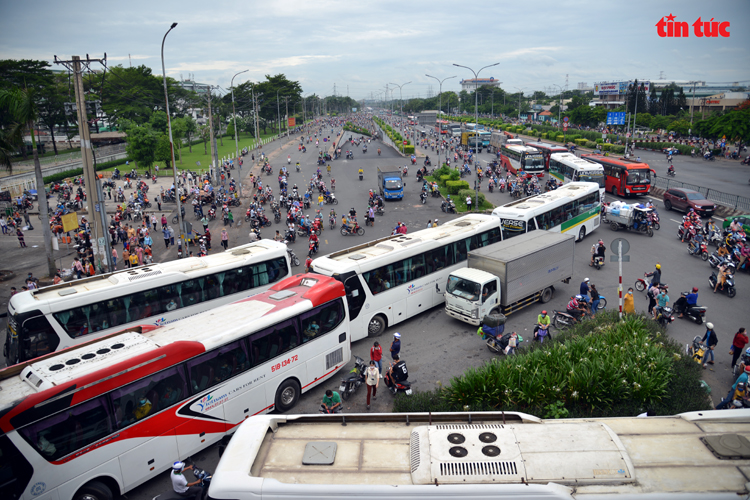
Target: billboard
(617,88)
(292,122)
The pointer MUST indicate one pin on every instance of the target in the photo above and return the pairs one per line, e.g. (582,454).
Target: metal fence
(730,200)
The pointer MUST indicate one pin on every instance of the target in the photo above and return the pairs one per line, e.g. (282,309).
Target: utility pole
(692,102)
(286,103)
(214,151)
(100,243)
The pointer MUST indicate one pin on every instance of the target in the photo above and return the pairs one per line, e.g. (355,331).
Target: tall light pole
(440,95)
(169,125)
(401,103)
(519,102)
(476,119)
(236,142)
(559,105)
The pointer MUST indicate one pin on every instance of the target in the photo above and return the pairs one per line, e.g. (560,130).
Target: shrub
(544,135)
(470,192)
(443,179)
(105,165)
(617,149)
(455,174)
(560,138)
(599,140)
(590,144)
(443,170)
(581,142)
(606,147)
(455,186)
(408,149)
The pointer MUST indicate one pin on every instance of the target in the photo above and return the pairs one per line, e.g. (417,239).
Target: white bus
(96,420)
(525,159)
(59,316)
(567,167)
(392,279)
(485,455)
(574,208)
(474,126)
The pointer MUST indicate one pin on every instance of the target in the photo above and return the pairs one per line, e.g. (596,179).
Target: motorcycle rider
(670,170)
(686,302)
(694,246)
(542,323)
(180,483)
(314,239)
(396,373)
(655,276)
(576,307)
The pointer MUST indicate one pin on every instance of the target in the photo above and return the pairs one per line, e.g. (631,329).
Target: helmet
(741,386)
(710,326)
(658,266)
(747,368)
(544,313)
(579,297)
(695,289)
(737,403)
(178,466)
(586,280)
(397,335)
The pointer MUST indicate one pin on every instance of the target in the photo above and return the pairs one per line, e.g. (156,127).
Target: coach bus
(395,278)
(547,150)
(96,420)
(567,167)
(624,177)
(515,158)
(573,208)
(474,126)
(486,455)
(441,127)
(59,316)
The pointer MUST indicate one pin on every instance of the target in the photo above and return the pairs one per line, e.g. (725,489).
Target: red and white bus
(547,150)
(624,177)
(515,158)
(94,421)
(441,127)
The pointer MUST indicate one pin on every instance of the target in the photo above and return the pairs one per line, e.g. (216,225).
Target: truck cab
(471,294)
(390,184)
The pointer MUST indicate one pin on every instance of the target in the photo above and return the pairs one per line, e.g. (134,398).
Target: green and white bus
(573,208)
(567,167)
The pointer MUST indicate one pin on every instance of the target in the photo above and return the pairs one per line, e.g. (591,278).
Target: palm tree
(22,106)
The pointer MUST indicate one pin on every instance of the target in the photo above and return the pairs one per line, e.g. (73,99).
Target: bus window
(15,470)
(512,227)
(355,295)
(147,396)
(37,337)
(321,320)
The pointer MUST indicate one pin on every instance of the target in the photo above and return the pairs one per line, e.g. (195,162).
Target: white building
(470,85)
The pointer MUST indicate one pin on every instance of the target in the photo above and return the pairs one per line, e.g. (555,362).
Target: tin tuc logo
(669,28)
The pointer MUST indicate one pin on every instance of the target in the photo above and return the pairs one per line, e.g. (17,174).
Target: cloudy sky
(362,46)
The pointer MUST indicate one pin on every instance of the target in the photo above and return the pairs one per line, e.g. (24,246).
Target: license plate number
(342,388)
(408,392)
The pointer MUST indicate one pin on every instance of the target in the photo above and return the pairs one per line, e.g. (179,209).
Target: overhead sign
(616,118)
(70,221)
(292,122)
(617,88)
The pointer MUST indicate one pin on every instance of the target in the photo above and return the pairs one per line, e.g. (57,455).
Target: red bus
(441,127)
(624,177)
(548,150)
(515,159)
(96,420)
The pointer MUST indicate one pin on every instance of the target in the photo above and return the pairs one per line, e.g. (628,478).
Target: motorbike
(361,176)
(696,350)
(395,387)
(330,199)
(405,171)
(641,284)
(690,234)
(354,228)
(205,481)
(297,167)
(715,261)
(653,220)
(729,288)
(714,238)
(563,320)
(448,206)
(312,250)
(671,172)
(332,221)
(423,197)
(663,316)
(598,261)
(696,313)
(702,252)
(355,378)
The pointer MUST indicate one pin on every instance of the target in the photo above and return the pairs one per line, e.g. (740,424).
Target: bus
(624,177)
(441,127)
(547,150)
(515,158)
(96,420)
(474,126)
(413,120)
(397,277)
(59,316)
(483,455)
(567,167)
(574,208)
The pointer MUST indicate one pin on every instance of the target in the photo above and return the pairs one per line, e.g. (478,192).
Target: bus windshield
(463,288)
(640,176)
(533,160)
(512,227)
(597,177)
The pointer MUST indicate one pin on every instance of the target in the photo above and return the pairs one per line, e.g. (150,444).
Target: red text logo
(669,28)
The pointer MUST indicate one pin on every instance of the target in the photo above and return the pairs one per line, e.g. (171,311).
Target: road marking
(326,241)
(677,221)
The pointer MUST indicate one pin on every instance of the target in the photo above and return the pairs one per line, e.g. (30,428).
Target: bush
(591,144)
(599,140)
(455,186)
(560,138)
(617,149)
(470,192)
(455,174)
(581,142)
(408,149)
(544,135)
(606,147)
(79,171)
(443,179)
(443,170)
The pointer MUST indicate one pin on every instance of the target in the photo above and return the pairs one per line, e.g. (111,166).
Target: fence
(730,200)
(72,157)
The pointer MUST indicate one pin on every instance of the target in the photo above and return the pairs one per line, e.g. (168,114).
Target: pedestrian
(738,345)
(308,264)
(171,235)
(584,289)
(629,307)
(468,203)
(710,339)
(126,258)
(4,225)
(396,345)
(225,239)
(230,217)
(157,199)
(376,355)
(133,259)
(372,379)
(153,221)
(114,257)
(163,221)
(78,267)
(653,291)
(165,232)
(594,299)
(19,235)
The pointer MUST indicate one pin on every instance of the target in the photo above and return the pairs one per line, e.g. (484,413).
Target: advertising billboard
(617,88)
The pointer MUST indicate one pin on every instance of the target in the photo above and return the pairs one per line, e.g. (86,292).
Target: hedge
(455,186)
(79,171)
(443,179)
(408,149)
(581,142)
(470,192)
(356,129)
(560,138)
(682,148)
(606,146)
(590,144)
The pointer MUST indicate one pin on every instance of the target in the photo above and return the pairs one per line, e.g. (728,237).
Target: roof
(545,113)
(565,191)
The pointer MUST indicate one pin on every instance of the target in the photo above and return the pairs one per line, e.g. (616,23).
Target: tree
(52,105)
(660,122)
(21,105)
(190,129)
(653,102)
(142,144)
(205,134)
(735,125)
(178,133)
(679,127)
(131,93)
(163,152)
(158,121)
(643,119)
(539,95)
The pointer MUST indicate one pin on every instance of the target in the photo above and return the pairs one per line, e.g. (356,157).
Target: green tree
(163,152)
(653,102)
(190,129)
(735,125)
(179,131)
(132,93)
(643,119)
(21,105)
(158,122)
(680,127)
(660,122)
(142,144)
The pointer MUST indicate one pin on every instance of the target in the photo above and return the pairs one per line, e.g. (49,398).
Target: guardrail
(731,200)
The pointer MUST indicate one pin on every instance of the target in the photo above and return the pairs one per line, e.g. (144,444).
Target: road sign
(616,118)
(566,119)
(565,126)
(405,143)
(625,248)
(70,221)
(627,135)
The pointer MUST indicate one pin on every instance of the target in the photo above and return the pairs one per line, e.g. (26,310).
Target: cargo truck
(390,183)
(507,276)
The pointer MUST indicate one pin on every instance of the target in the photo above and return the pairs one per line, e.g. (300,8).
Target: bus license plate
(408,392)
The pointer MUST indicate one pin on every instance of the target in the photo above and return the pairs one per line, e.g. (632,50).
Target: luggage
(493,320)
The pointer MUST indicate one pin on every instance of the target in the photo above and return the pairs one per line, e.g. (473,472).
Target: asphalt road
(437,347)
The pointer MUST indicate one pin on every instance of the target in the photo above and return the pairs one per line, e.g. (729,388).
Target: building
(193,86)
(612,94)
(470,85)
(717,102)
(544,116)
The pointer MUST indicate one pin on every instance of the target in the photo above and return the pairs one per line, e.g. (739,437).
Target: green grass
(458,201)
(189,159)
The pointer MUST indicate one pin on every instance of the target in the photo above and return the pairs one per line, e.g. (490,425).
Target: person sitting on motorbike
(361,172)
(180,483)
(314,239)
(724,271)
(670,170)
(344,223)
(577,307)
(396,373)
(690,300)
(542,323)
(331,402)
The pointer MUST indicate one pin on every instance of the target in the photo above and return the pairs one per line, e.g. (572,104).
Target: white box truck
(510,275)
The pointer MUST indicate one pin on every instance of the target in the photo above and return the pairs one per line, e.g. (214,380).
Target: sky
(360,47)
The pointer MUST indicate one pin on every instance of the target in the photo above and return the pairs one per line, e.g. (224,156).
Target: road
(438,348)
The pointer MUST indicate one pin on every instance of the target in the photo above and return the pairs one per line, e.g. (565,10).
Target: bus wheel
(94,491)
(376,326)
(582,233)
(287,395)
(546,295)
(614,191)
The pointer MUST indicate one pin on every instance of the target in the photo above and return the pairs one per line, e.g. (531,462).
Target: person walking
(230,216)
(126,258)
(396,345)
(157,199)
(19,235)
(114,257)
(165,232)
(225,239)
(4,225)
(594,299)
(710,340)
(372,379)
(163,221)
(584,289)
(629,306)
(653,291)
(78,267)
(738,345)
(376,355)
(171,235)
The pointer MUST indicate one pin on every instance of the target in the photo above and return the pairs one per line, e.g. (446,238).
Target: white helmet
(710,326)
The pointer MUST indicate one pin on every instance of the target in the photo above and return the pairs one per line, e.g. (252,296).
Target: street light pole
(440,109)
(236,141)
(476,119)
(169,125)
(401,104)
(519,102)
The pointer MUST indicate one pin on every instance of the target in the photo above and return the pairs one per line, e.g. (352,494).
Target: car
(742,219)
(685,199)
(671,150)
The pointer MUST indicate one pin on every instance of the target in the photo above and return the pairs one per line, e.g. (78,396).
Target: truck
(471,139)
(507,276)
(497,140)
(390,184)
(454,130)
